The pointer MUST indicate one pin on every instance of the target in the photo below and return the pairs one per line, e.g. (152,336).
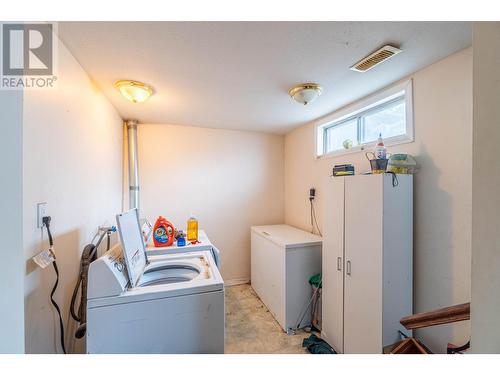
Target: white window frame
(381,97)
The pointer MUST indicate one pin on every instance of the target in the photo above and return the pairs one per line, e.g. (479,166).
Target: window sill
(368,147)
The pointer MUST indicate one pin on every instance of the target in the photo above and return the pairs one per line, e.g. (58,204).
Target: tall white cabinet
(366,260)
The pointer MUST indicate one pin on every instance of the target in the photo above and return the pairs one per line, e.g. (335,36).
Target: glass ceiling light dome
(305,93)
(136,92)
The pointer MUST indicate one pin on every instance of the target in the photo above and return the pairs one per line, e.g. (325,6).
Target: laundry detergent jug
(163,233)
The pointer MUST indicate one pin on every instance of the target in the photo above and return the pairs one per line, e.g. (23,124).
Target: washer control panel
(108,274)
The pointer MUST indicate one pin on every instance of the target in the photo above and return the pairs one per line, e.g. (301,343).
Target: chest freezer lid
(134,251)
(287,236)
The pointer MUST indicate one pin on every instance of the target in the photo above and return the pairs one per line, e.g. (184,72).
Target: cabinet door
(363,264)
(332,325)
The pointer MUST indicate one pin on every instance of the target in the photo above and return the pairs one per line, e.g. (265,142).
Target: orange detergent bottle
(163,233)
(192,229)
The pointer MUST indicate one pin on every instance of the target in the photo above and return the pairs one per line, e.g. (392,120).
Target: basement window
(357,126)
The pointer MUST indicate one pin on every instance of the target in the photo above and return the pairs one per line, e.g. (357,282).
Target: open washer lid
(134,251)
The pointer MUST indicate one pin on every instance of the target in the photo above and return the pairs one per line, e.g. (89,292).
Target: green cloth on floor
(315,345)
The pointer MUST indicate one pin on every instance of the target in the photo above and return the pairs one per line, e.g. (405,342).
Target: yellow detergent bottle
(192,229)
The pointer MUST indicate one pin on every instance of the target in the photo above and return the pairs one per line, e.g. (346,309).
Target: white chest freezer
(283,260)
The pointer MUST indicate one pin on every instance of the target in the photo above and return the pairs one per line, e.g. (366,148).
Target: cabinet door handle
(348,268)
(339,264)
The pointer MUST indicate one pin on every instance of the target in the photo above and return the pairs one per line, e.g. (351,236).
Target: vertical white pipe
(133,164)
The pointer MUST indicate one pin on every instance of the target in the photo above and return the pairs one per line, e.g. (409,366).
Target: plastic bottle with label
(163,233)
(380,151)
(192,229)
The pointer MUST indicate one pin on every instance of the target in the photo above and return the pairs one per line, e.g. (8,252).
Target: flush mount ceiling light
(305,93)
(136,92)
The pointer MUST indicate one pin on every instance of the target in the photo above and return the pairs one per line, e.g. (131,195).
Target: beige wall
(442,95)
(485,308)
(229,179)
(11,204)
(72,160)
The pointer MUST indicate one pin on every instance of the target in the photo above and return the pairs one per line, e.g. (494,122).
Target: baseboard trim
(233,282)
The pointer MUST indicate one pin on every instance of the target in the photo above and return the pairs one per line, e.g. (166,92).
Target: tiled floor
(250,327)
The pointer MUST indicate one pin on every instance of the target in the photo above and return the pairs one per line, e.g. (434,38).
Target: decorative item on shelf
(377,165)
(343,170)
(347,144)
(378,158)
(402,164)
(380,150)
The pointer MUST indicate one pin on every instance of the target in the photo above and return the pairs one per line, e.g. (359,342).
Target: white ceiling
(236,75)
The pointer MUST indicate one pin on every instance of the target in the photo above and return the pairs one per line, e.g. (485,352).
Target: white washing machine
(160,304)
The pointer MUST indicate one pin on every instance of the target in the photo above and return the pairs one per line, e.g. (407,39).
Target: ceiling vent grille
(375,58)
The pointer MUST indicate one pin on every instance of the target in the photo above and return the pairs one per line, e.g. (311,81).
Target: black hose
(73,299)
(46,223)
(89,254)
(54,303)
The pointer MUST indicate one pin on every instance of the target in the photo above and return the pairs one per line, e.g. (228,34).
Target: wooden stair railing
(445,315)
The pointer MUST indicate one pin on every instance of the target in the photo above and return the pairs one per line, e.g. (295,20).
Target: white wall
(485,307)
(11,250)
(229,179)
(72,160)
(442,95)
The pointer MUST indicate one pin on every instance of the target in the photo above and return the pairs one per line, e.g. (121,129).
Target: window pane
(338,134)
(390,121)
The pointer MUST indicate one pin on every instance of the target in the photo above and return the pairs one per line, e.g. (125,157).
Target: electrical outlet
(312,193)
(41,209)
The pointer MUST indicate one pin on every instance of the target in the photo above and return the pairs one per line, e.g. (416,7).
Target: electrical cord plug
(312,194)
(46,221)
